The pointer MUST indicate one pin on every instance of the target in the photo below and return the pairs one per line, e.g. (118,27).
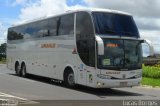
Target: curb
(148,86)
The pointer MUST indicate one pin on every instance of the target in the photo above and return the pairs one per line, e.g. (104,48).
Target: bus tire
(23,70)
(69,78)
(17,69)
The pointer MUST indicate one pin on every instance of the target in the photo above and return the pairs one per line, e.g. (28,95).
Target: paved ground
(42,91)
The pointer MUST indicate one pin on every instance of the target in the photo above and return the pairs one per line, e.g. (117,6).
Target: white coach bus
(98,48)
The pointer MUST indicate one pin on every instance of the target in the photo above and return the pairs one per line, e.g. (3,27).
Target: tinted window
(37,29)
(29,30)
(16,33)
(114,24)
(66,26)
(49,27)
(85,38)
(40,29)
(52,26)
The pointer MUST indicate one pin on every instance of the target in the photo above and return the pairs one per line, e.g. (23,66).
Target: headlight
(104,76)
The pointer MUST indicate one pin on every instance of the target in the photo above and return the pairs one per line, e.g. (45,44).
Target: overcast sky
(145,12)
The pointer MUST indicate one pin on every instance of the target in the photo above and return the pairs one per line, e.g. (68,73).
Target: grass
(3,61)
(151,71)
(151,75)
(151,82)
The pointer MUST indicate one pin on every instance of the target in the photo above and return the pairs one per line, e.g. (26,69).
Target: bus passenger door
(85,42)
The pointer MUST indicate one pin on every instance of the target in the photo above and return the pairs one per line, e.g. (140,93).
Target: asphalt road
(39,91)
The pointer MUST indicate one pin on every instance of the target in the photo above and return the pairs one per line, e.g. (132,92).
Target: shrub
(151,71)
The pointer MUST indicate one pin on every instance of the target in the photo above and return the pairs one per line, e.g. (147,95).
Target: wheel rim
(71,79)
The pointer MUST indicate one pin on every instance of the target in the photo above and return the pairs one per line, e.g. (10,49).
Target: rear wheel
(69,78)
(18,69)
(23,70)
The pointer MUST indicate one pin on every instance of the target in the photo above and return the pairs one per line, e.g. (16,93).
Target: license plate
(123,84)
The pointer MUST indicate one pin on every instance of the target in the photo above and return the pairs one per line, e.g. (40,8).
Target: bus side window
(14,34)
(85,38)
(52,26)
(66,25)
(42,29)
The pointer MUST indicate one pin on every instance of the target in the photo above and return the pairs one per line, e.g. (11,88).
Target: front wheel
(69,79)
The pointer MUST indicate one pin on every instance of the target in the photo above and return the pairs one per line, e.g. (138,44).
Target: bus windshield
(114,24)
(121,54)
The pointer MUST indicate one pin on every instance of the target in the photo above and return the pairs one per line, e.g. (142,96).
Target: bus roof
(100,10)
(73,11)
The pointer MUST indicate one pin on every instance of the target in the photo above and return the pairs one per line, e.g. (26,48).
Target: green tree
(3,51)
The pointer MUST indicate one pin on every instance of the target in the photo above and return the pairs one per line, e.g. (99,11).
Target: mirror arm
(151,48)
(100,45)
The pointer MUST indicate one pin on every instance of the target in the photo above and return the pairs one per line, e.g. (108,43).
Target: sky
(145,12)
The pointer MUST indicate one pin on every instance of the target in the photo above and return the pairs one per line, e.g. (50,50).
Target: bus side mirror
(151,48)
(100,45)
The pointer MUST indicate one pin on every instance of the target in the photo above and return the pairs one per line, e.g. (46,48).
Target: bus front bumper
(114,83)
